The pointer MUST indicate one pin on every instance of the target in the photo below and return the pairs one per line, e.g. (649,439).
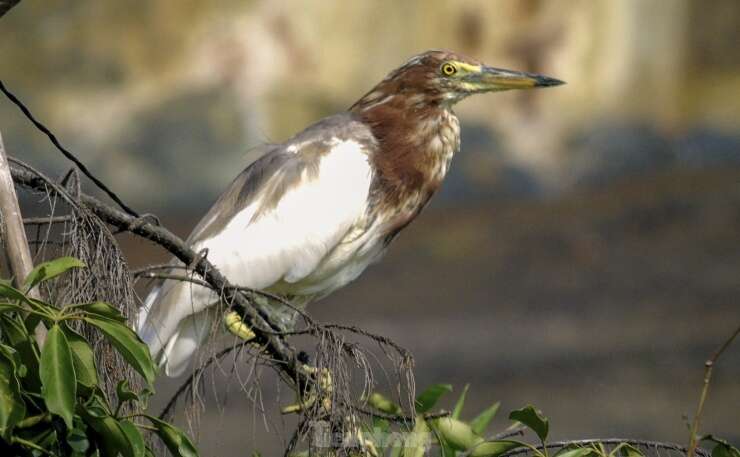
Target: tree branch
(274,345)
(6,5)
(14,234)
(608,441)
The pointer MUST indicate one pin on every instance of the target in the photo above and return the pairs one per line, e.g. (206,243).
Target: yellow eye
(448,69)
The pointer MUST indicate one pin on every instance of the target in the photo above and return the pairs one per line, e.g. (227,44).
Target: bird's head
(447,77)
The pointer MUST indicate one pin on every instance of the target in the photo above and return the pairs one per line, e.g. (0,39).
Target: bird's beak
(496,79)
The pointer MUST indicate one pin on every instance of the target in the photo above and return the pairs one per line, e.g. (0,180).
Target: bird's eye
(448,69)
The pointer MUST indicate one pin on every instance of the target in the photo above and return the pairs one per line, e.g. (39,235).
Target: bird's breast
(409,168)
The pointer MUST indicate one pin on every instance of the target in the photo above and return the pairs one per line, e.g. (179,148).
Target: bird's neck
(417,139)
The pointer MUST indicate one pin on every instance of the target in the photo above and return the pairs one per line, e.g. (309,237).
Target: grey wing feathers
(258,255)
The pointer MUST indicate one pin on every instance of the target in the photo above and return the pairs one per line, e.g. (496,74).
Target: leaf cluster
(51,399)
(457,437)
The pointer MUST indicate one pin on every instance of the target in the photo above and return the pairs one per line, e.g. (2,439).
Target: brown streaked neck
(417,135)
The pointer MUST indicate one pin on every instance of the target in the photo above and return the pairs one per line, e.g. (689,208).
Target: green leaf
(396,446)
(46,439)
(31,321)
(101,309)
(8,291)
(574,451)
(480,423)
(10,307)
(383,403)
(722,447)
(48,270)
(124,392)
(381,425)
(17,335)
(531,418)
(494,448)
(134,437)
(416,443)
(14,332)
(430,396)
(83,359)
(77,438)
(144,396)
(626,450)
(725,450)
(12,407)
(113,439)
(59,384)
(457,433)
(128,344)
(460,403)
(14,358)
(175,439)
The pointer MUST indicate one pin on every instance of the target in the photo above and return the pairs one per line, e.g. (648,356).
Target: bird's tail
(192,332)
(173,326)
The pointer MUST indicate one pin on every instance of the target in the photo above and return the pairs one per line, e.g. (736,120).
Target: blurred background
(584,252)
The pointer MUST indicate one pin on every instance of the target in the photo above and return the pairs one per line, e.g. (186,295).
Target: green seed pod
(494,448)
(456,433)
(418,440)
(384,404)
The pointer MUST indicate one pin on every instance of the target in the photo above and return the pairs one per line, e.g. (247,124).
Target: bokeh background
(584,253)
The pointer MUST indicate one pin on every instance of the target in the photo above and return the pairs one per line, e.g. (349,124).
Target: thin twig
(150,268)
(187,385)
(65,152)
(708,367)
(517,431)
(400,418)
(47,220)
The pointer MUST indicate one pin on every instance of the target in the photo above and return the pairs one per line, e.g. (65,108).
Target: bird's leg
(355,439)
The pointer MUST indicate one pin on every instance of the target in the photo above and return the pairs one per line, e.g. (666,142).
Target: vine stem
(708,367)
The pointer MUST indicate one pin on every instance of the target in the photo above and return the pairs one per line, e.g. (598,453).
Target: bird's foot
(147,218)
(322,392)
(366,445)
(234,324)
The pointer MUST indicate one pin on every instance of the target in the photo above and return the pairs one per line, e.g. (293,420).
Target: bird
(312,213)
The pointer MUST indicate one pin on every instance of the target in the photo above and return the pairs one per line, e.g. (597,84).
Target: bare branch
(6,5)
(26,112)
(14,233)
(275,346)
(47,220)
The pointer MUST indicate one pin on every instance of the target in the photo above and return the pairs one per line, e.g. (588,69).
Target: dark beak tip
(546,81)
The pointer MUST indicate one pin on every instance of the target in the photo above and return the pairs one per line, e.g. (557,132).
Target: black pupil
(449,70)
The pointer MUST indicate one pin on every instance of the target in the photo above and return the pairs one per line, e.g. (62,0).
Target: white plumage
(305,242)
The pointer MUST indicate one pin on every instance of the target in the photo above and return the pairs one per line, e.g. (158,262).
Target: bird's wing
(276,222)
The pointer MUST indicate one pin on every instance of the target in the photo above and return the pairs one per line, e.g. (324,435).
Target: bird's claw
(202,254)
(140,221)
(323,392)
